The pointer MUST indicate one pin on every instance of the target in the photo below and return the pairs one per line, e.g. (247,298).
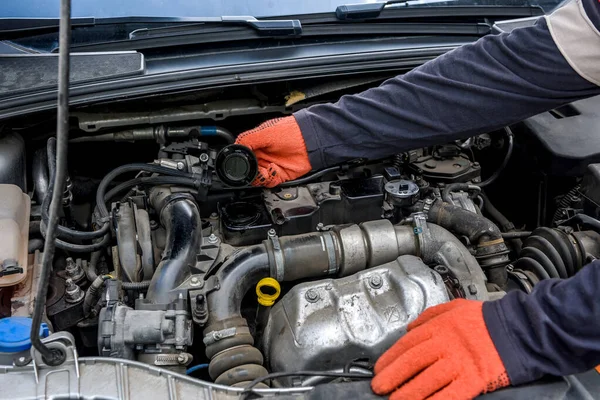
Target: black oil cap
(236,165)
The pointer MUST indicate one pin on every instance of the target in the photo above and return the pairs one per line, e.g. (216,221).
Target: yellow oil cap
(265,299)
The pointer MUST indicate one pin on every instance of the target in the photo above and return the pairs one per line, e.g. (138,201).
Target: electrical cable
(195,368)
(509,151)
(54,356)
(276,375)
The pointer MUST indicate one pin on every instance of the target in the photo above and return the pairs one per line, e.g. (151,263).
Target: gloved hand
(446,354)
(280,150)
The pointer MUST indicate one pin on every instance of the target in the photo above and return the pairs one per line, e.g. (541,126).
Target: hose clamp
(278,271)
(420,229)
(215,336)
(330,248)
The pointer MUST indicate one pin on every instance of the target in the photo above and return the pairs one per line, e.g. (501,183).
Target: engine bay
(167,255)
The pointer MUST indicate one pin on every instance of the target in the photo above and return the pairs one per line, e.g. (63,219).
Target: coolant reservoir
(15,207)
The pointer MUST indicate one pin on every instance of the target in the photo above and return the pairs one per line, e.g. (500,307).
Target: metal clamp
(215,336)
(420,228)
(278,255)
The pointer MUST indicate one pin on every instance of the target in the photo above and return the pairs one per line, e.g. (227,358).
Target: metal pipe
(180,217)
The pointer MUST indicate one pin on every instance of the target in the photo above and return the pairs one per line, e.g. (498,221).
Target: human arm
(496,81)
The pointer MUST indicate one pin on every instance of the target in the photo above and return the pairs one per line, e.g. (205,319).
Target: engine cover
(325,324)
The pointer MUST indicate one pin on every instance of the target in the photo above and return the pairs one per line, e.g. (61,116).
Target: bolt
(475,165)
(153,224)
(214,215)
(287,196)
(73,269)
(195,281)
(73,293)
(204,157)
(375,281)
(200,311)
(21,359)
(181,358)
(271,233)
(311,295)
(212,239)
(180,165)
(472,289)
(320,227)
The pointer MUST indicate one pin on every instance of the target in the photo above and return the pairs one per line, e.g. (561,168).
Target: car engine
(167,255)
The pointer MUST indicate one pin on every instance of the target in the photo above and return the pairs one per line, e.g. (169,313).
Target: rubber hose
(181,218)
(92,295)
(137,167)
(91,268)
(143,285)
(34,244)
(509,150)
(63,231)
(39,173)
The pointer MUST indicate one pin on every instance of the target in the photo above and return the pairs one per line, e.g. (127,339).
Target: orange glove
(446,354)
(280,150)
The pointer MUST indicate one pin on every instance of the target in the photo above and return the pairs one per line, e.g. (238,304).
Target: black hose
(509,150)
(55,356)
(63,231)
(150,181)
(516,234)
(91,268)
(585,220)
(236,277)
(309,178)
(474,226)
(495,214)
(143,285)
(137,167)
(34,244)
(181,218)
(40,175)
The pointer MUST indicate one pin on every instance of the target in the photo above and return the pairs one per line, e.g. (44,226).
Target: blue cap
(14,334)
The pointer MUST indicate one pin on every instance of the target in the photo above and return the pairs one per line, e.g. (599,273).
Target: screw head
(311,295)
(180,165)
(21,359)
(272,233)
(375,281)
(195,281)
(204,157)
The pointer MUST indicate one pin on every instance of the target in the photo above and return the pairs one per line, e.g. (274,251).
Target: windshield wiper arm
(271,27)
(266,27)
(373,10)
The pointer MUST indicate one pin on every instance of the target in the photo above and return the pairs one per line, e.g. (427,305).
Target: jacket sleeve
(496,81)
(554,330)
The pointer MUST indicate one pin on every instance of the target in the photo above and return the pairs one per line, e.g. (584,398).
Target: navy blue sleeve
(496,81)
(555,330)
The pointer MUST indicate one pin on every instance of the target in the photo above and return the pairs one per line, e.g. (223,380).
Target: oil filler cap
(236,165)
(14,334)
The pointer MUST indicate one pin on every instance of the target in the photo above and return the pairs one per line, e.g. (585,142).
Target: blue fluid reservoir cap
(14,334)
